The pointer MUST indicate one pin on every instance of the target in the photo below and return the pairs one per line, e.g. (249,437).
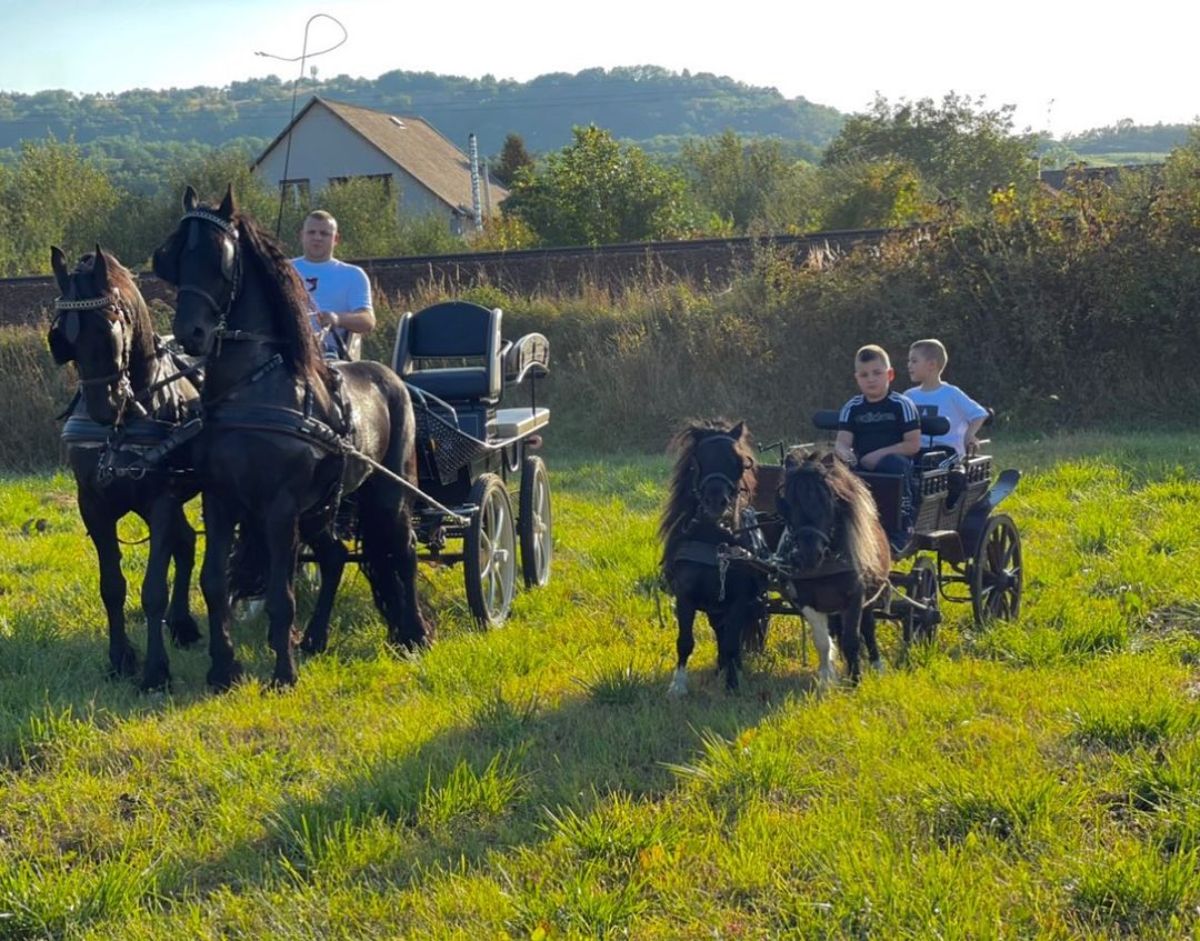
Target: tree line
(894,164)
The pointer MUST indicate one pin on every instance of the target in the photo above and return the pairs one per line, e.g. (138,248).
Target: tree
(745,181)
(960,148)
(597,191)
(513,156)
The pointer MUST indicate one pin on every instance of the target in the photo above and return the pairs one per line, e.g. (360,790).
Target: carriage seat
(452,350)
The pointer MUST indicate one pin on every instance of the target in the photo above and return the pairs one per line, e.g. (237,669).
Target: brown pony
(837,554)
(712,482)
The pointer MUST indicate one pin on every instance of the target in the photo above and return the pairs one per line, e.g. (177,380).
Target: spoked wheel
(921,624)
(489,552)
(996,576)
(537,541)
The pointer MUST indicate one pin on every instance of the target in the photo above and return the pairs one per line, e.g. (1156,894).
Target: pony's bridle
(68,318)
(231,265)
(737,487)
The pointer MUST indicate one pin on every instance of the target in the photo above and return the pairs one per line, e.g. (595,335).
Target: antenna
(304,54)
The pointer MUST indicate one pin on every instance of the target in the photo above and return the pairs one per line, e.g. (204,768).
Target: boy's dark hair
(870,353)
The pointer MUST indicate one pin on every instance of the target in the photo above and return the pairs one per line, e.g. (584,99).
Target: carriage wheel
(996,576)
(489,552)
(537,542)
(922,625)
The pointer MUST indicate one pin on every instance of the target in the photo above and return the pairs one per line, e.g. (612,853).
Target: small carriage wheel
(534,525)
(921,625)
(489,552)
(996,576)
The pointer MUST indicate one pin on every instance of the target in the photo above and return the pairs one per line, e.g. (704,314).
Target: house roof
(1109,175)
(410,142)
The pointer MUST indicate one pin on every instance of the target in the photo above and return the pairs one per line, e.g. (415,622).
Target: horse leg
(282,533)
(826,674)
(156,674)
(331,557)
(685,643)
(183,627)
(867,629)
(413,630)
(102,528)
(224,669)
(729,627)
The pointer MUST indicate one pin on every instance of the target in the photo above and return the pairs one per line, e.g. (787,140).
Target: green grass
(1035,779)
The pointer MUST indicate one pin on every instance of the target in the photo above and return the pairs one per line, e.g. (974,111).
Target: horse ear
(58,263)
(737,431)
(829,459)
(790,461)
(189,199)
(228,206)
(100,269)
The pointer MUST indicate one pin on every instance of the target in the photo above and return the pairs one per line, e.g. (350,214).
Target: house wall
(324,147)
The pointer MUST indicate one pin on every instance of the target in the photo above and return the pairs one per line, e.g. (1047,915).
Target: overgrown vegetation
(534,782)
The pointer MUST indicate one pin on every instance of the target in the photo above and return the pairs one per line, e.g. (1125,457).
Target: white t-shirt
(333,285)
(953,404)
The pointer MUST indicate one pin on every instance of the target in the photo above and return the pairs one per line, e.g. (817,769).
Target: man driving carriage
(339,293)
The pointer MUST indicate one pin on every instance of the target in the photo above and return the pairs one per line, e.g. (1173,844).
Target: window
(295,193)
(386,178)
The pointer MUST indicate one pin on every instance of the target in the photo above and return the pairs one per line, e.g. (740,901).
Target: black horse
(837,554)
(285,434)
(128,402)
(712,482)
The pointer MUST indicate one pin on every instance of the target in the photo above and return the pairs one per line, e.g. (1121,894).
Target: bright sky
(1067,66)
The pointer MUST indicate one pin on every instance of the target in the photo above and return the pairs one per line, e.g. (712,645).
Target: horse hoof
(879,666)
(280,684)
(184,631)
(312,644)
(123,665)
(221,679)
(157,680)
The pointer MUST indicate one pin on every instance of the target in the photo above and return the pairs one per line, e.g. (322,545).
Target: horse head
(718,468)
(202,259)
(94,328)
(810,506)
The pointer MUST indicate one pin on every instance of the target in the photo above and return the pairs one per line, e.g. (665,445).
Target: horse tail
(389,545)
(249,563)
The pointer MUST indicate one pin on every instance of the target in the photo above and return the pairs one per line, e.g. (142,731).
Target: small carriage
(961,550)
(473,441)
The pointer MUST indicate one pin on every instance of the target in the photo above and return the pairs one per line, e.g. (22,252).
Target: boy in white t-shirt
(926,361)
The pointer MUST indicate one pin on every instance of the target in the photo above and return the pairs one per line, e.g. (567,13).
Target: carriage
(473,443)
(962,550)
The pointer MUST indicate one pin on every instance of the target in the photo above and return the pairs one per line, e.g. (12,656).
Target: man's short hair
(870,353)
(323,216)
(932,349)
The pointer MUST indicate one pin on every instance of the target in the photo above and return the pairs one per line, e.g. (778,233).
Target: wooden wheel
(534,525)
(489,552)
(996,576)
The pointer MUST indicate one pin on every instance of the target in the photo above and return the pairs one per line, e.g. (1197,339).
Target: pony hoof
(312,644)
(223,679)
(879,666)
(280,684)
(184,631)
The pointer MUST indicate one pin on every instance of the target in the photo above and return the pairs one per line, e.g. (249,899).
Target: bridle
(736,486)
(231,264)
(68,318)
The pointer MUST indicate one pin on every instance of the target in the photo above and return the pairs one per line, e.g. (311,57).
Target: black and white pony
(837,557)
(131,397)
(286,434)
(712,482)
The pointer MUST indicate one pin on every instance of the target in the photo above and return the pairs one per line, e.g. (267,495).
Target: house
(1058,180)
(332,142)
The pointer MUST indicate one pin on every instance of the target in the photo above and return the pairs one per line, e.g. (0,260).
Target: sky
(1066,66)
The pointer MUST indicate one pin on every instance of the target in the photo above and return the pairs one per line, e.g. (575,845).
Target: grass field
(1037,779)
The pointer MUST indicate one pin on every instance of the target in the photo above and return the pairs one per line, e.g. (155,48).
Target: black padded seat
(452,350)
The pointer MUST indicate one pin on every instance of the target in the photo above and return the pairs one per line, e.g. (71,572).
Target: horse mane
(123,280)
(681,502)
(865,541)
(286,295)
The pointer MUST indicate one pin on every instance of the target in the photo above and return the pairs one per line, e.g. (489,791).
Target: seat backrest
(453,350)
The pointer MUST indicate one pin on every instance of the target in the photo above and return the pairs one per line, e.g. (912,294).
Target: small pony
(838,557)
(712,482)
